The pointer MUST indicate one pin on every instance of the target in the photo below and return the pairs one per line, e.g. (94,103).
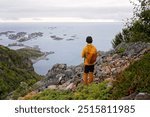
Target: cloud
(83,9)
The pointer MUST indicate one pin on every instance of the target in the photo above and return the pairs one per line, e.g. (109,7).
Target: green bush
(120,50)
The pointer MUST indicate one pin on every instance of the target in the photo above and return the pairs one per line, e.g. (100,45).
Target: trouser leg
(90,77)
(85,78)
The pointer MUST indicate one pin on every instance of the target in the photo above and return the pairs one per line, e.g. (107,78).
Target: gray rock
(69,73)
(130,97)
(142,96)
(52,87)
(78,69)
(99,60)
(115,56)
(134,48)
(70,87)
(113,69)
(60,76)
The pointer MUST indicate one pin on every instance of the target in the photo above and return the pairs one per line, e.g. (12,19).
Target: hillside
(133,80)
(16,74)
(117,74)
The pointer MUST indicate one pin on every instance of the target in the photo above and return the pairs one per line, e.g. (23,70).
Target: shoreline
(43,57)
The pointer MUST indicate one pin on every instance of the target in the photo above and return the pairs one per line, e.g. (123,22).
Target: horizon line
(61,21)
(57,20)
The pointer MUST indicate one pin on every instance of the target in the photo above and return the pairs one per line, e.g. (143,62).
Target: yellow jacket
(88,47)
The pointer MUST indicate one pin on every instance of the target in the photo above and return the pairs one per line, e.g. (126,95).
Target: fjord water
(66,51)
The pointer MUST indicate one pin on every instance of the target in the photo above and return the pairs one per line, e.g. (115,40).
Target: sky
(64,10)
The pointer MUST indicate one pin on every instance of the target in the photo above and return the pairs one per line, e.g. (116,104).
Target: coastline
(68,42)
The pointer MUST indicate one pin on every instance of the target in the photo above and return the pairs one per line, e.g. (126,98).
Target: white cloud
(68,10)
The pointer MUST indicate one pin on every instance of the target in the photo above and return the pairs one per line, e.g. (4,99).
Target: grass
(91,92)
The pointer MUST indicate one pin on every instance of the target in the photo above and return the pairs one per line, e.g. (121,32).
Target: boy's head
(89,39)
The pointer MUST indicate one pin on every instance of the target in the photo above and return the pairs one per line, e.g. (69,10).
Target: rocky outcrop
(110,65)
(132,49)
(60,73)
(61,77)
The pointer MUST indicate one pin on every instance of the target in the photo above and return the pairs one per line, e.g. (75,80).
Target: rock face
(60,73)
(61,76)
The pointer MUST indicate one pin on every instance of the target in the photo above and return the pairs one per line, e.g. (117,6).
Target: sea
(68,49)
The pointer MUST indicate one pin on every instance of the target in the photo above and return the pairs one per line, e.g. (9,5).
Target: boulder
(142,96)
(130,97)
(69,73)
(52,87)
(71,86)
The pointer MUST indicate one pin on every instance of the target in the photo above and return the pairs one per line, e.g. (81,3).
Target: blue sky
(64,10)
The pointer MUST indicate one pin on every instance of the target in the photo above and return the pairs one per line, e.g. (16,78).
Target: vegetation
(134,79)
(138,29)
(120,50)
(16,73)
(91,92)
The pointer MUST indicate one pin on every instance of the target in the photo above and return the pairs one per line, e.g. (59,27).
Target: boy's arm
(83,53)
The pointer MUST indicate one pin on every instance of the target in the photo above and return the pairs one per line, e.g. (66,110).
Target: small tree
(138,27)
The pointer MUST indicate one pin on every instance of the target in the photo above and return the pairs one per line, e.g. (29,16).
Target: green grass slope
(16,73)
